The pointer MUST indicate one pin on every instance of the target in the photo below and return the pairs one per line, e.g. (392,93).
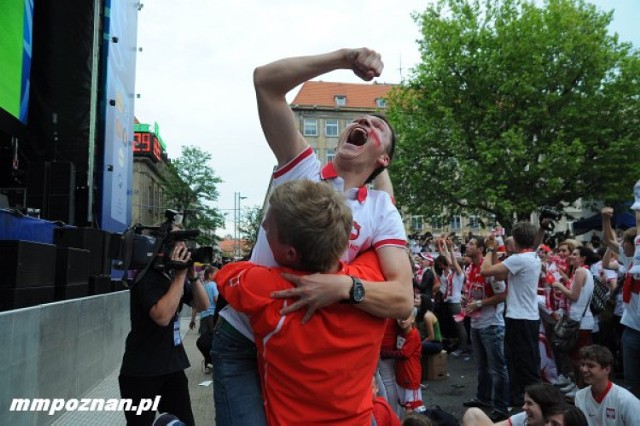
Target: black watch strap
(356,294)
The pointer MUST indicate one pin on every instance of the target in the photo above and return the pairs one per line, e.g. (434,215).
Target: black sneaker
(498,416)
(475,403)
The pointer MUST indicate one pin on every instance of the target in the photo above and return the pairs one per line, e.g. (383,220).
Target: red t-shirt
(384,414)
(314,373)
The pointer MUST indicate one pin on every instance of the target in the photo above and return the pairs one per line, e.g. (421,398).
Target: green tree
(190,187)
(249,226)
(514,106)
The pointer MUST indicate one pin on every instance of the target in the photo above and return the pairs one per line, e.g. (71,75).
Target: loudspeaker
(72,265)
(61,196)
(62,178)
(14,298)
(85,238)
(38,186)
(99,284)
(71,291)
(27,264)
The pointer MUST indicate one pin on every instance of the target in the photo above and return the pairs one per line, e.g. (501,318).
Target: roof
(322,93)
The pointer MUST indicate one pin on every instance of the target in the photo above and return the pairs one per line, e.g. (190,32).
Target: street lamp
(237,211)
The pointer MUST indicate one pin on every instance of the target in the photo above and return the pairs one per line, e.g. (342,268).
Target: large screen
(16,22)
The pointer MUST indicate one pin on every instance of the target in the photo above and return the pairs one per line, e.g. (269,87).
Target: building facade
(149,164)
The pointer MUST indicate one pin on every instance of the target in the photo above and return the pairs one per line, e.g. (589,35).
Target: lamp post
(237,211)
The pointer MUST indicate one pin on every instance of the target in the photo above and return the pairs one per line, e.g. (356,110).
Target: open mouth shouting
(358,136)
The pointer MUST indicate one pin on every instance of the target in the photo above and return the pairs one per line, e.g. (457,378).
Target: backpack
(601,293)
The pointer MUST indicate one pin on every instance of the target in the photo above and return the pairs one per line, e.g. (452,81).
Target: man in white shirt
(603,402)
(364,149)
(629,256)
(522,319)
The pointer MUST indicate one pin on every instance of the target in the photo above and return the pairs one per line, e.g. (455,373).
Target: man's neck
(598,389)
(352,176)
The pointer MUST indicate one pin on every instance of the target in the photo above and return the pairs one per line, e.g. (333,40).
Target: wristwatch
(491,250)
(356,294)
(478,304)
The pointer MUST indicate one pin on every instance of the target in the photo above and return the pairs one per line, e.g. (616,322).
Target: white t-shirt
(519,419)
(631,315)
(376,221)
(597,270)
(618,407)
(522,285)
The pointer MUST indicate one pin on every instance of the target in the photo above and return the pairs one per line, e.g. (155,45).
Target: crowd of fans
(520,296)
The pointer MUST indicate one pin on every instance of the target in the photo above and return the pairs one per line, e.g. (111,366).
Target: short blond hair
(314,219)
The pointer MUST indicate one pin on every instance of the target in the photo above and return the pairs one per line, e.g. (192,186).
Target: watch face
(358,292)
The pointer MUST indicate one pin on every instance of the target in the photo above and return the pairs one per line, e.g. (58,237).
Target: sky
(194,73)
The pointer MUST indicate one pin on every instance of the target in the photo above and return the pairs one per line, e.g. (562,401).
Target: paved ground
(201,396)
(448,394)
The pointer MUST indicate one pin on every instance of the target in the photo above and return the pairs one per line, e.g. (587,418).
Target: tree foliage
(190,186)
(514,106)
(249,226)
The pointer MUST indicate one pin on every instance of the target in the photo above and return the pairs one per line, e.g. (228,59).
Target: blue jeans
(493,376)
(630,357)
(237,394)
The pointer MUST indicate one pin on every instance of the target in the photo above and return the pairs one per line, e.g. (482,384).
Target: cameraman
(154,359)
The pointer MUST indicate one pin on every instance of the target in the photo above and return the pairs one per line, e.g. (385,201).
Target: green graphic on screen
(12,49)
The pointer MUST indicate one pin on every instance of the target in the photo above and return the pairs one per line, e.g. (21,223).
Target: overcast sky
(194,74)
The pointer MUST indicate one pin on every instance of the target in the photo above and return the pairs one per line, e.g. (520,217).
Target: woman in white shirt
(578,293)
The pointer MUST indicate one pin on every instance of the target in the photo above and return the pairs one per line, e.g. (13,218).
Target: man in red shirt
(318,372)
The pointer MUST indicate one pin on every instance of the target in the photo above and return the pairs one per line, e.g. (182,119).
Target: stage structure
(67,92)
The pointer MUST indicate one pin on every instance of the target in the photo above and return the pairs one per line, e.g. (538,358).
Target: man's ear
(292,255)
(384,160)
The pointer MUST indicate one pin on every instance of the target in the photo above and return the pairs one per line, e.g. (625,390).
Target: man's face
(472,248)
(593,373)
(367,140)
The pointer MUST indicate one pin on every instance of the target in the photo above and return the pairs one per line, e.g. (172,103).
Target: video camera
(139,250)
(547,212)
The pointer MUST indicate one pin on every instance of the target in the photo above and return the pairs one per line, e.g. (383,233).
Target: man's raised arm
(273,81)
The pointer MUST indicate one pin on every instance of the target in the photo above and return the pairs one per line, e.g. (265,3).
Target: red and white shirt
(630,294)
(617,407)
(480,287)
(376,220)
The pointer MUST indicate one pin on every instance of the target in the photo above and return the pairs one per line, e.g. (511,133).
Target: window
(340,100)
(436,222)
(381,103)
(474,222)
(416,223)
(455,222)
(310,127)
(492,220)
(331,128)
(331,153)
